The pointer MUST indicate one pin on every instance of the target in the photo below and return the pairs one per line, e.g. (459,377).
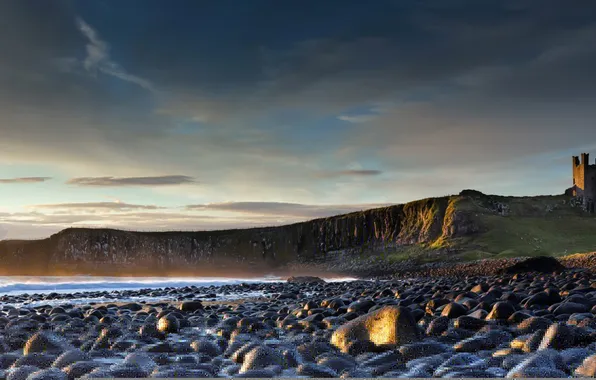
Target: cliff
(466,226)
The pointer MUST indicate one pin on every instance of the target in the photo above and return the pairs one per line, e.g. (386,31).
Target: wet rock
(356,373)
(309,351)
(168,324)
(543,264)
(141,360)
(36,359)
(125,370)
(257,374)
(70,357)
(315,370)
(382,363)
(422,349)
(501,310)
(150,331)
(6,360)
(337,363)
(21,373)
(45,342)
(76,370)
(207,347)
(544,363)
(231,370)
(261,357)
(533,324)
(558,336)
(360,306)
(534,341)
(48,374)
(437,326)
(305,280)
(191,306)
(570,308)
(99,373)
(467,322)
(180,372)
(388,326)
(573,357)
(587,367)
(459,361)
(454,310)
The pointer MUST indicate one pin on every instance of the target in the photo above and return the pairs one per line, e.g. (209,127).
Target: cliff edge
(467,226)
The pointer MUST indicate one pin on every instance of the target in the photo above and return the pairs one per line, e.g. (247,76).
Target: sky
(200,115)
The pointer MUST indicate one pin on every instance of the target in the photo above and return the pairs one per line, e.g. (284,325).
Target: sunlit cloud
(132,181)
(96,206)
(357,119)
(25,180)
(295,210)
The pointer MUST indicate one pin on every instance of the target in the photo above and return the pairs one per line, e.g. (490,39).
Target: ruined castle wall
(584,181)
(578,176)
(590,185)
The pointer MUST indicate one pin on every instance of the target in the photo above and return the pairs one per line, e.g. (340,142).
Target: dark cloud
(283,209)
(25,180)
(132,181)
(435,94)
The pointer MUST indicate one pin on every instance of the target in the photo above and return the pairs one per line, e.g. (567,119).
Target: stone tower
(584,181)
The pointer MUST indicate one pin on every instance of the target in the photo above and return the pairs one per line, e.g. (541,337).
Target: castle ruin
(584,181)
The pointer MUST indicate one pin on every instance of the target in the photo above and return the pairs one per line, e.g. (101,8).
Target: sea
(83,287)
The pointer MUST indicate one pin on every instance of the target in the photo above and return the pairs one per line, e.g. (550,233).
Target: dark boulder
(542,264)
(305,280)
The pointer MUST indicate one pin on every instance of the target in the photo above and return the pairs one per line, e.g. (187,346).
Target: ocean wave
(12,285)
(72,284)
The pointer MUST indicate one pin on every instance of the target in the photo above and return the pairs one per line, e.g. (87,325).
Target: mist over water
(12,285)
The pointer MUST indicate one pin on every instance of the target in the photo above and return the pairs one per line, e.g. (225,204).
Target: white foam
(13,285)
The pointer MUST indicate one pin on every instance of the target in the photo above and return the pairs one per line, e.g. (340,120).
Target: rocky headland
(426,234)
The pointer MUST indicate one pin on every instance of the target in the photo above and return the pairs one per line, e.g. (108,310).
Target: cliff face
(426,222)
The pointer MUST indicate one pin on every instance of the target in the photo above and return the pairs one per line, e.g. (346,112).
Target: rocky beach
(532,318)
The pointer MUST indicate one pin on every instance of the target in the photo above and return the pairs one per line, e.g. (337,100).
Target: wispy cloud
(350,173)
(295,210)
(98,58)
(132,181)
(96,205)
(25,180)
(357,119)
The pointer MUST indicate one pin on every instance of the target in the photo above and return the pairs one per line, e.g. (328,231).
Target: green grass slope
(507,227)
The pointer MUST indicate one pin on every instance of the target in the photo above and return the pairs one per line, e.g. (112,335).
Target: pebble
(514,325)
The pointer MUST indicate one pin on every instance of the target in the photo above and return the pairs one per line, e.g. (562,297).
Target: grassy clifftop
(510,227)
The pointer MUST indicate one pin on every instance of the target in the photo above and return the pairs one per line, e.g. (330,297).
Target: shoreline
(367,270)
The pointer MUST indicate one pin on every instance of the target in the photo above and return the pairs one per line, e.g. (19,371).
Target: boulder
(48,374)
(260,357)
(389,326)
(45,342)
(305,280)
(558,336)
(21,373)
(190,306)
(168,324)
(69,357)
(587,368)
(542,264)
